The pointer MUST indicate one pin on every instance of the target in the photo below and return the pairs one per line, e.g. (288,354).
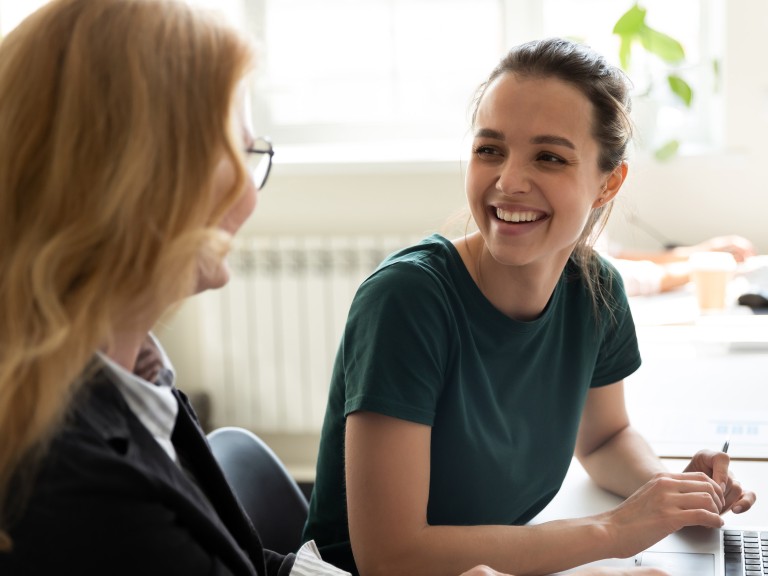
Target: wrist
(606,536)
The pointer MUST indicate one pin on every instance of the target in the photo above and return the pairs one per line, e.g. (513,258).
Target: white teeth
(516,216)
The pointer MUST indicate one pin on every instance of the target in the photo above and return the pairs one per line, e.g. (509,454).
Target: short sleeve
(396,344)
(619,354)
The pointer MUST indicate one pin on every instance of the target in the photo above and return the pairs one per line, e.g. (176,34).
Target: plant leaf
(631,22)
(681,88)
(625,51)
(667,151)
(662,45)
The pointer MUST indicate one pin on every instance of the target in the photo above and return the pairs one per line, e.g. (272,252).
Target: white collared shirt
(153,403)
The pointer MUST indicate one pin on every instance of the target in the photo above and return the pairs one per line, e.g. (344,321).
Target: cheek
(240,211)
(473,185)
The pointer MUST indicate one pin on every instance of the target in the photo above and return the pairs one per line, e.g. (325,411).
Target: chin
(213,279)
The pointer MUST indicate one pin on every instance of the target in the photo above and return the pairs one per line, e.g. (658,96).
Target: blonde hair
(114,114)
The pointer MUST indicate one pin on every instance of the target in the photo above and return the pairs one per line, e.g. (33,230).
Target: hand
(740,247)
(666,503)
(715,465)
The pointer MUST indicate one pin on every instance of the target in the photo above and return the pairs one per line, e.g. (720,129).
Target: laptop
(703,552)
(735,550)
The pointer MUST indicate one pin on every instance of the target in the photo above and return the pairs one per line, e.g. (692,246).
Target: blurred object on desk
(755,271)
(711,272)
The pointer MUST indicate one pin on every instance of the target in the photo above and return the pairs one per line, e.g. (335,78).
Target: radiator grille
(271,334)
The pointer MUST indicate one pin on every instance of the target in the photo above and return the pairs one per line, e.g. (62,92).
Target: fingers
(739,500)
(717,465)
(703,492)
(720,462)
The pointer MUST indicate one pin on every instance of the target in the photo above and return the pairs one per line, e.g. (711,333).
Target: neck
(518,291)
(125,346)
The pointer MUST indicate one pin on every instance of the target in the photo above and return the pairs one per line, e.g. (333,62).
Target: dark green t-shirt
(503,397)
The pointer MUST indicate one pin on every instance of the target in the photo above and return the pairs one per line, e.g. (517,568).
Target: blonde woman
(122,178)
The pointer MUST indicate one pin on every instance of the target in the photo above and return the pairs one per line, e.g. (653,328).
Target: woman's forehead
(514,103)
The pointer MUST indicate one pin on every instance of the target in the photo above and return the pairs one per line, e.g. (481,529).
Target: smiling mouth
(518,216)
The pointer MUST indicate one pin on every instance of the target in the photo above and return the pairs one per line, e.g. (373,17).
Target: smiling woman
(472,370)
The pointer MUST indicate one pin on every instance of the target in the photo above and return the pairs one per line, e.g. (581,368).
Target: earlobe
(612,185)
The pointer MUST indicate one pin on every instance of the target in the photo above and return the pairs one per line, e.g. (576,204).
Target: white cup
(711,272)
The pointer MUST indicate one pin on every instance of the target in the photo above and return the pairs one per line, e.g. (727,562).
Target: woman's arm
(621,461)
(387,475)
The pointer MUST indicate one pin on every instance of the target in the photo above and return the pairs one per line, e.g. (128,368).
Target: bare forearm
(623,463)
(675,275)
(659,257)
(519,550)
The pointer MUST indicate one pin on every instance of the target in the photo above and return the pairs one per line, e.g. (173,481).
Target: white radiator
(271,334)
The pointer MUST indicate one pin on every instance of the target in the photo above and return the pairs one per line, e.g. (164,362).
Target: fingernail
(737,509)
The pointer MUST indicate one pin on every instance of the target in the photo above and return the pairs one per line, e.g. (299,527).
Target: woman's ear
(612,185)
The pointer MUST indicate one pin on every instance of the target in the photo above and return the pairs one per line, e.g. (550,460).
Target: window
(394,79)
(402,73)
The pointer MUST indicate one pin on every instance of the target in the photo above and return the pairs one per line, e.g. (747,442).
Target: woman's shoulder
(419,280)
(427,263)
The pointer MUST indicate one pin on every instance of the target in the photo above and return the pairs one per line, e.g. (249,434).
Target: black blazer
(108,500)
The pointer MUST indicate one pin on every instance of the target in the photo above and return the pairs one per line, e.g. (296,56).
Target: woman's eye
(550,158)
(486,151)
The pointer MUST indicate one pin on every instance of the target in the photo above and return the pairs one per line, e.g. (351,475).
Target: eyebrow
(541,139)
(554,140)
(489,133)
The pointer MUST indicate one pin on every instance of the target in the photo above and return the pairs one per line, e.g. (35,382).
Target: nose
(514,177)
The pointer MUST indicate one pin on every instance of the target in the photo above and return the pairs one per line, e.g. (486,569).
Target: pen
(726,445)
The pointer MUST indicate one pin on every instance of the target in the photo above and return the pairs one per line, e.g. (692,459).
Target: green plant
(634,32)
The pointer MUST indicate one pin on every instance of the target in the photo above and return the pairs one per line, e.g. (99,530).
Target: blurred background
(367,104)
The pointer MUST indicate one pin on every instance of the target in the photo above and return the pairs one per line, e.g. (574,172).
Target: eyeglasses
(259,161)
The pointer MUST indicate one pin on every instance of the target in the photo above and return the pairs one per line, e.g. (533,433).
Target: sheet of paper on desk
(702,382)
(683,404)
(682,433)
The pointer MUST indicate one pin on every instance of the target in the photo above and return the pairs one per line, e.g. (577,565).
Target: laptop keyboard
(746,553)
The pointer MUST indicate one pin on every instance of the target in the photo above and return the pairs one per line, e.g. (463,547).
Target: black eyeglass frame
(267,149)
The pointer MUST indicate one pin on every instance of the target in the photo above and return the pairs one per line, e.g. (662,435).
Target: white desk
(580,497)
(703,378)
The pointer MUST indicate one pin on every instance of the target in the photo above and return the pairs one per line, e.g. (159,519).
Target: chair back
(271,497)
